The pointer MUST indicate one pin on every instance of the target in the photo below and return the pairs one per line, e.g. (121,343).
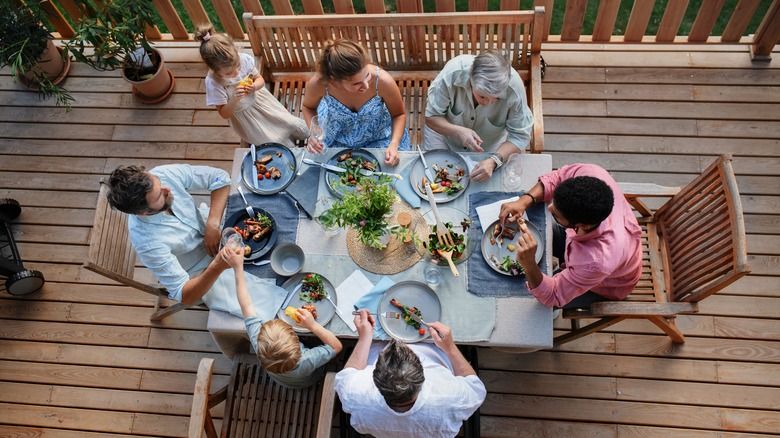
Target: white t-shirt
(216,94)
(444,401)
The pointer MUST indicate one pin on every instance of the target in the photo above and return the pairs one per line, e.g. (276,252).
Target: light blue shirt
(308,370)
(172,246)
(450,96)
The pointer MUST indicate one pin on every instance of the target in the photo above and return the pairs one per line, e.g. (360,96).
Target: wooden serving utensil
(445,238)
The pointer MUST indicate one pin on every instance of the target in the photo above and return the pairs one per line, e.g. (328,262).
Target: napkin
(304,189)
(489,213)
(349,292)
(370,301)
(404,188)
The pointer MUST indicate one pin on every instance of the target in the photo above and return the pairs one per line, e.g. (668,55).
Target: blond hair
(341,59)
(278,348)
(217,49)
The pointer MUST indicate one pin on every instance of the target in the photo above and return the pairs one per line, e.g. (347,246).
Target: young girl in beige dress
(251,110)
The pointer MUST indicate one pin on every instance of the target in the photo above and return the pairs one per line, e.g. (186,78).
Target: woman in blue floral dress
(357,103)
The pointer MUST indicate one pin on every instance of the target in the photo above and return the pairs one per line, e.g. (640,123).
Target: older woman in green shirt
(478,103)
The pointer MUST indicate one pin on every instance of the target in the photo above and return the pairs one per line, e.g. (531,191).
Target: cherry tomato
(421,331)
(267,175)
(350,177)
(259,176)
(308,275)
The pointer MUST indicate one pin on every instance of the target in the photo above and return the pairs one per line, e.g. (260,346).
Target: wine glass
(513,173)
(315,129)
(325,220)
(232,239)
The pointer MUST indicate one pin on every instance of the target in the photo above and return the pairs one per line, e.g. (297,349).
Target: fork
(249,209)
(442,233)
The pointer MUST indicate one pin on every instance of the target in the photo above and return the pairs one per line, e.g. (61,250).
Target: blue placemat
(285,213)
(482,279)
(305,189)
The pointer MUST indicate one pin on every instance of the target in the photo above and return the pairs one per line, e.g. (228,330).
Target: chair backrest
(257,406)
(396,41)
(110,251)
(704,235)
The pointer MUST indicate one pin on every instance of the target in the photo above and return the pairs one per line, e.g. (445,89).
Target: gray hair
(490,73)
(398,374)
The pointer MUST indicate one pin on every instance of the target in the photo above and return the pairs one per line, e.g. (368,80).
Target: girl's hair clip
(207,36)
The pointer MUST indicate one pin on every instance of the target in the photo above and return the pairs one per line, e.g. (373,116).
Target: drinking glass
(315,129)
(232,239)
(322,219)
(432,274)
(513,173)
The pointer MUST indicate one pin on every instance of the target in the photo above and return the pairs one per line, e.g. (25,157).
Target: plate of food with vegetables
(458,224)
(276,167)
(259,232)
(353,160)
(405,297)
(450,172)
(310,291)
(499,247)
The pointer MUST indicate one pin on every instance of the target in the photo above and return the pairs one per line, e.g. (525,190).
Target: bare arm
(235,259)
(315,91)
(325,335)
(390,93)
(218,202)
(517,208)
(442,337)
(196,287)
(365,328)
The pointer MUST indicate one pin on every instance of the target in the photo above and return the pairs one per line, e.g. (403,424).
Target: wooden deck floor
(81,359)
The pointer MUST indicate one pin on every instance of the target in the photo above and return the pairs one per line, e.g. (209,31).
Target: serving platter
(337,182)
(325,309)
(282,159)
(443,159)
(499,252)
(412,294)
(261,247)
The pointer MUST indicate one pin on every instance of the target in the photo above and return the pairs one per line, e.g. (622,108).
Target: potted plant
(28,48)
(116,32)
(365,209)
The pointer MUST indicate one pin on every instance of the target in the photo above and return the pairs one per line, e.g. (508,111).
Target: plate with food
(310,291)
(259,233)
(458,224)
(405,297)
(276,167)
(499,247)
(353,160)
(451,175)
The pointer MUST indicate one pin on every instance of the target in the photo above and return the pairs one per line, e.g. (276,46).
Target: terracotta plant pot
(155,89)
(51,63)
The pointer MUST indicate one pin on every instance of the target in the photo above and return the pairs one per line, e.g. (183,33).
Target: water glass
(432,274)
(330,230)
(315,129)
(512,173)
(232,239)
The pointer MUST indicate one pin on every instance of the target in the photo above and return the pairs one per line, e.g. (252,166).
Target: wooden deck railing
(762,41)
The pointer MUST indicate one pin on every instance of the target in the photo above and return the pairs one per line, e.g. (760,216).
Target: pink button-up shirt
(607,260)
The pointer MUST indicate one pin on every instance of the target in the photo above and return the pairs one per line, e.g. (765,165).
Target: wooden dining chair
(111,254)
(693,246)
(256,406)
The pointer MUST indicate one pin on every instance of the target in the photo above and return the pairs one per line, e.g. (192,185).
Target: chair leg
(669,327)
(588,329)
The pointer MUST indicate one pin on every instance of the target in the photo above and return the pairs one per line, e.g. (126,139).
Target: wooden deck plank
(647,112)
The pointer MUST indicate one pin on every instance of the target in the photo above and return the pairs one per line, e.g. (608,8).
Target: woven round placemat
(396,257)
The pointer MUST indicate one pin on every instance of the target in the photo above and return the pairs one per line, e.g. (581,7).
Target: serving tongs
(442,233)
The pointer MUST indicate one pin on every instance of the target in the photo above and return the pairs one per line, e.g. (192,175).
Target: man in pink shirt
(596,235)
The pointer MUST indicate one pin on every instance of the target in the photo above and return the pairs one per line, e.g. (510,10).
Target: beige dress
(264,119)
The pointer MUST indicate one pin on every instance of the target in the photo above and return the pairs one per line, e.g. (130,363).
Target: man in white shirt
(398,390)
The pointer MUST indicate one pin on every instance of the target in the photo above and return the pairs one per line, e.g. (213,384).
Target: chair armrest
(327,404)
(200,399)
(535,103)
(628,308)
(633,191)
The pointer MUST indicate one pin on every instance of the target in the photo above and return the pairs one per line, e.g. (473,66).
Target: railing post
(767,34)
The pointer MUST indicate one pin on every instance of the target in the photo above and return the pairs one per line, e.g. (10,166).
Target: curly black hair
(128,186)
(584,200)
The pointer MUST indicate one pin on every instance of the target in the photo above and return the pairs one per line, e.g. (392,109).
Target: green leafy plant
(115,30)
(23,39)
(364,209)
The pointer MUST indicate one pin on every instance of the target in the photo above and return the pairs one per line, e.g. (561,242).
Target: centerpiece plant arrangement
(365,209)
(27,46)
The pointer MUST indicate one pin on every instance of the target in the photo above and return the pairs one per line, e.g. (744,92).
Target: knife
(253,151)
(421,321)
(428,173)
(288,299)
(325,166)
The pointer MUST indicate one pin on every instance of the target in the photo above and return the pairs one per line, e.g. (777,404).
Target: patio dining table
(517,322)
